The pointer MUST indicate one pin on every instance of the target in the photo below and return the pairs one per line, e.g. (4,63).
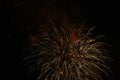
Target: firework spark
(67,52)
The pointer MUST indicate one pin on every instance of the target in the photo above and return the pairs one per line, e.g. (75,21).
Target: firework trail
(67,52)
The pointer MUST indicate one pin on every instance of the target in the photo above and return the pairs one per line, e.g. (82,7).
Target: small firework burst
(67,52)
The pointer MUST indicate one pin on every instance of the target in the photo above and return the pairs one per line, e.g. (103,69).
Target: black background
(20,18)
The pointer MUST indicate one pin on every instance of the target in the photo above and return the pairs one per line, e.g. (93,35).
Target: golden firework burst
(67,52)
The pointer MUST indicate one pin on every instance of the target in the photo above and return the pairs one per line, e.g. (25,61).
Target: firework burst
(67,52)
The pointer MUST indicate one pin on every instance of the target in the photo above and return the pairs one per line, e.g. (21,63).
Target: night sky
(21,18)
